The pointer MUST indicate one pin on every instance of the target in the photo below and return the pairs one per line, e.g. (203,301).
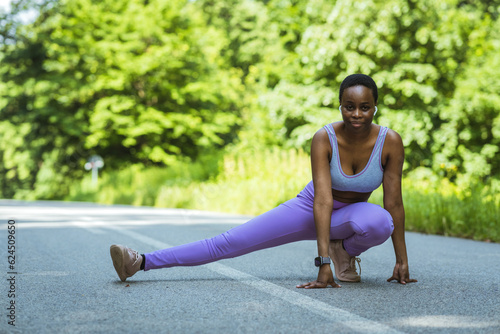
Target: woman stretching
(349,159)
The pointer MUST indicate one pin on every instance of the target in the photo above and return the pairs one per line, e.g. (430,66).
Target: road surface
(62,279)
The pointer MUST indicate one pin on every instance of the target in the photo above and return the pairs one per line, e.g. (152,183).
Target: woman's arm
(323,199)
(393,202)
(323,205)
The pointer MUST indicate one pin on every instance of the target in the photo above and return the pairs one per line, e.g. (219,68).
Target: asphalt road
(62,280)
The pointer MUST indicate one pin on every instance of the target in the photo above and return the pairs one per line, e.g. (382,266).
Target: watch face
(319,261)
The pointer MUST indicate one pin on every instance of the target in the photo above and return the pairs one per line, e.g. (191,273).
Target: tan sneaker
(345,265)
(125,260)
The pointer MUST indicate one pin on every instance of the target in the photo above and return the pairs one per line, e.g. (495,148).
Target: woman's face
(358,106)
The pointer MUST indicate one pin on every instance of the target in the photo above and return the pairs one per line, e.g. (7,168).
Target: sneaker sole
(117,257)
(356,280)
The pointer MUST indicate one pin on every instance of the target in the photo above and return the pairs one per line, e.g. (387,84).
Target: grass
(254,182)
(441,207)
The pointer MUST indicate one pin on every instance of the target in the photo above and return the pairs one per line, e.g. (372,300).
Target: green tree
(154,82)
(468,141)
(419,52)
(133,81)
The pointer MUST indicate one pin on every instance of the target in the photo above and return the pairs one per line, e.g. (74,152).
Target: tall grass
(254,182)
(249,183)
(437,206)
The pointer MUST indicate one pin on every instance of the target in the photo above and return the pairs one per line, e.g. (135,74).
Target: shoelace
(352,266)
(135,255)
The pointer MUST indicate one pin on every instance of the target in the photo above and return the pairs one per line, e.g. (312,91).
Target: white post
(94,163)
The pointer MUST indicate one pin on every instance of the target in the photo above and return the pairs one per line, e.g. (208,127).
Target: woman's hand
(401,274)
(325,278)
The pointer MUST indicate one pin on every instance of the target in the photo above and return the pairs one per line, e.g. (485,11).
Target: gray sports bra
(369,179)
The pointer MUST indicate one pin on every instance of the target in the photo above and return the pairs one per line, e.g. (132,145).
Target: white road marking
(85,226)
(91,218)
(95,224)
(446,321)
(46,273)
(332,313)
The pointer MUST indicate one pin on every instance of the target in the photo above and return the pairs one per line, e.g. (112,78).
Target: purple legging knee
(361,225)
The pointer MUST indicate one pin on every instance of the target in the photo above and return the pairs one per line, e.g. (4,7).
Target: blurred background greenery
(211,104)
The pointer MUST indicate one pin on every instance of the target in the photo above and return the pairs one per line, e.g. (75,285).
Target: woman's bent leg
(289,222)
(361,226)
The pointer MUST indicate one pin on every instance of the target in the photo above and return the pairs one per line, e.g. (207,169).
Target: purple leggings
(361,225)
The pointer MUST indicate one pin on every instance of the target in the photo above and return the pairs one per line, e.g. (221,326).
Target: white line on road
(332,313)
(85,226)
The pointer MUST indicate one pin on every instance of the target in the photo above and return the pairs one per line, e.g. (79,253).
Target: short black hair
(356,80)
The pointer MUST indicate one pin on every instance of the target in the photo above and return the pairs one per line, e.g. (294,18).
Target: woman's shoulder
(331,128)
(393,144)
(326,129)
(393,136)
(336,125)
(323,137)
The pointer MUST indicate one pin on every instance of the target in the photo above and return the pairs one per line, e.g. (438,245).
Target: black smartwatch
(320,260)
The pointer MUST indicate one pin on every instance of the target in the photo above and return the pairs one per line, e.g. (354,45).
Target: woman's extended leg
(289,222)
(359,225)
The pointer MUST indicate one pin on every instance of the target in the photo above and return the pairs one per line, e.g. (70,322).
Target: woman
(349,160)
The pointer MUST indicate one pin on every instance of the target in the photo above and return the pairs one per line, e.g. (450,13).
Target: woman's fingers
(402,280)
(318,285)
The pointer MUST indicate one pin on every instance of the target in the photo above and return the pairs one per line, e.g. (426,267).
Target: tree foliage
(134,82)
(155,82)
